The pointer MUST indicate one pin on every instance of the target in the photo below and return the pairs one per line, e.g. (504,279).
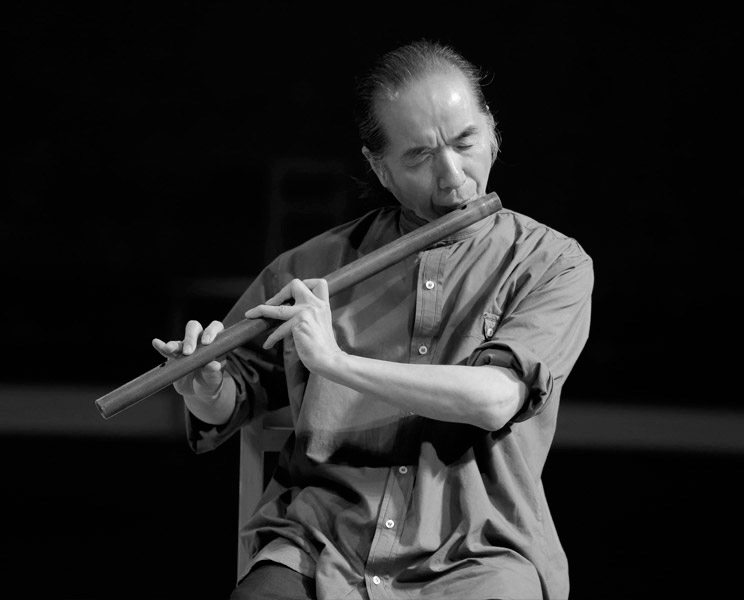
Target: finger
(212,372)
(175,347)
(211,332)
(294,290)
(214,366)
(319,287)
(210,377)
(279,333)
(191,337)
(309,290)
(282,312)
(288,294)
(300,291)
(170,350)
(163,348)
(284,295)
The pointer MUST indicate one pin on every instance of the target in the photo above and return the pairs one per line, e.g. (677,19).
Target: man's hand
(308,320)
(200,388)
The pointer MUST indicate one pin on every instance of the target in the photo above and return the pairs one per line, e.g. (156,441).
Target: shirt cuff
(529,368)
(203,437)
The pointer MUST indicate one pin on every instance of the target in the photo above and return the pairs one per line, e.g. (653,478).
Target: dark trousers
(272,581)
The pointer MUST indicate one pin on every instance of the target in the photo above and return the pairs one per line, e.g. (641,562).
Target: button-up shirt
(377,502)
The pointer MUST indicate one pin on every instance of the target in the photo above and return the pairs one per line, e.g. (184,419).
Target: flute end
(101,409)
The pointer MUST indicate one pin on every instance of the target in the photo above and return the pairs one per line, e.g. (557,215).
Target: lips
(449,204)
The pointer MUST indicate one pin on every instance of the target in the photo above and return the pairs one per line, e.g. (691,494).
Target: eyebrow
(470,130)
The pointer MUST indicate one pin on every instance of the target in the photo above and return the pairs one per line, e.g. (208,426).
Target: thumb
(209,379)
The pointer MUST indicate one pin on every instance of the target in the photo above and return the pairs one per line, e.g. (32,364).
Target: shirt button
(429,285)
(376,580)
(403,470)
(423,349)
(489,332)
(389,523)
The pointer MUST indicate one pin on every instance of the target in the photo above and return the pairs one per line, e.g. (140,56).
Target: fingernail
(206,339)
(186,348)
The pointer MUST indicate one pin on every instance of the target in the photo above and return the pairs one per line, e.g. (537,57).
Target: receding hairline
(440,68)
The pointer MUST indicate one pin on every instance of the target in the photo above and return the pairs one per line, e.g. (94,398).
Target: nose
(449,170)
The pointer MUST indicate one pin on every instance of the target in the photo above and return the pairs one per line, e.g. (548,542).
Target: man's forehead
(441,86)
(436,103)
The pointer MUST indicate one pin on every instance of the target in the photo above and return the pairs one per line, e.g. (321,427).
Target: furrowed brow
(469,131)
(417,151)
(412,153)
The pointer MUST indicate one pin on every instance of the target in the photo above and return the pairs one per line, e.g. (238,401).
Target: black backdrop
(137,142)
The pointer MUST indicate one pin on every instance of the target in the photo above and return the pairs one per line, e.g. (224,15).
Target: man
(424,400)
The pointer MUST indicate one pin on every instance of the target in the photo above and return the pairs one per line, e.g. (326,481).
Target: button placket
(428,298)
(396,495)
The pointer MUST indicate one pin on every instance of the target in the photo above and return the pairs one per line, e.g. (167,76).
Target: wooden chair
(266,434)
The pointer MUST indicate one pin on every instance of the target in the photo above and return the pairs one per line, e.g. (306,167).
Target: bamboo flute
(347,276)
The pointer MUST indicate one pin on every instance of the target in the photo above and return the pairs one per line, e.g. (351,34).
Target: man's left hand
(308,320)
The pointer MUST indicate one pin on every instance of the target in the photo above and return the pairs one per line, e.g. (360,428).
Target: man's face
(439,152)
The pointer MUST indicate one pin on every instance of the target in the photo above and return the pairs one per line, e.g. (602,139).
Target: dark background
(151,149)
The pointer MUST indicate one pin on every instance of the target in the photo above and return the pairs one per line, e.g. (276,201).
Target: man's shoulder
(341,243)
(356,232)
(524,224)
(523,228)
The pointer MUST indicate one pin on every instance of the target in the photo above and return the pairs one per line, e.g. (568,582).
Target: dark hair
(398,69)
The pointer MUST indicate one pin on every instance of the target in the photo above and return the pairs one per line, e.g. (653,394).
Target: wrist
(334,366)
(214,408)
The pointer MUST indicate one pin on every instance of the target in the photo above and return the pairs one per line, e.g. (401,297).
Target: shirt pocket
(484,327)
(490,324)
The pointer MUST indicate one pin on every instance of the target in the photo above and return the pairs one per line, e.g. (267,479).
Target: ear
(377,167)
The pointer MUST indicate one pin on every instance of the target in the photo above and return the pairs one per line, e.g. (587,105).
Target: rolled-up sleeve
(542,335)
(258,373)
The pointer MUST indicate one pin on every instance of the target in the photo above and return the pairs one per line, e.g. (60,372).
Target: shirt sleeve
(542,334)
(258,373)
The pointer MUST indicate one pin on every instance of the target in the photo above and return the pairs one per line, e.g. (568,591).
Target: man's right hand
(200,389)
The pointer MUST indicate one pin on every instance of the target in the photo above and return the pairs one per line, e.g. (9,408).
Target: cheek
(481,167)
(414,183)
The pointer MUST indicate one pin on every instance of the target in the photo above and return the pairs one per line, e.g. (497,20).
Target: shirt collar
(408,221)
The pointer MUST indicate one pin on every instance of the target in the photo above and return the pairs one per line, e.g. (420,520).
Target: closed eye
(416,156)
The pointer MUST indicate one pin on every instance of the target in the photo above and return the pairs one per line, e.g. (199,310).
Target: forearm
(217,408)
(486,396)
